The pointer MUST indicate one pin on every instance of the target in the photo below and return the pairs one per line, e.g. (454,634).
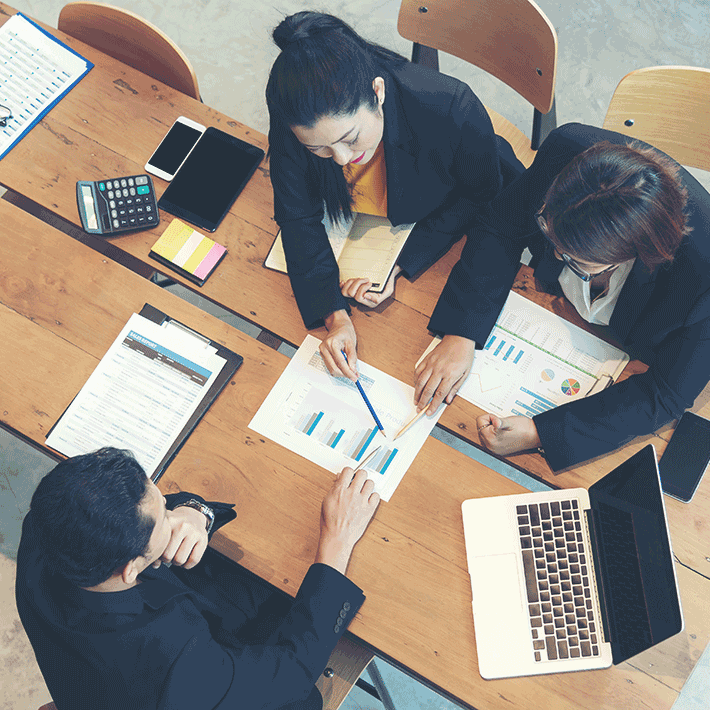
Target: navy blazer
(165,645)
(442,160)
(661,317)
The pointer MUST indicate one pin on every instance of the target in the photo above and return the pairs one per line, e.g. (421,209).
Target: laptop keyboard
(557,580)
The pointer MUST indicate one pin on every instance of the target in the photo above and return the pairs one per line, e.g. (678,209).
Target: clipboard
(232,363)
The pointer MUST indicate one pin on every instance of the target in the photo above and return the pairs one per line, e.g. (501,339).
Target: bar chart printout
(533,361)
(325,420)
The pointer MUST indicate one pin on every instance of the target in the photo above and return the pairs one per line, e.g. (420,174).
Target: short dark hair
(324,69)
(613,203)
(87,511)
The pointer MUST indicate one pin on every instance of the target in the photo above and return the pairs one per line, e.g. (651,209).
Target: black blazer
(662,317)
(442,159)
(168,646)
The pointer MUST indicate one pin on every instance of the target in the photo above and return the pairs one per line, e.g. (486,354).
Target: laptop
(572,580)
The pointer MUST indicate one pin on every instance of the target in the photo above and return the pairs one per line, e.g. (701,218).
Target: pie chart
(547,375)
(570,387)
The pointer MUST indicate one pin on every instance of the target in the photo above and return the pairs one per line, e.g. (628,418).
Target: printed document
(142,393)
(36,70)
(534,360)
(325,419)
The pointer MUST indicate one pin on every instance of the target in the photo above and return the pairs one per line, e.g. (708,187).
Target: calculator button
(122,212)
(115,224)
(110,194)
(132,210)
(112,204)
(131,191)
(130,182)
(148,208)
(123,182)
(140,210)
(109,184)
(102,187)
(114,213)
(142,180)
(125,193)
(143,190)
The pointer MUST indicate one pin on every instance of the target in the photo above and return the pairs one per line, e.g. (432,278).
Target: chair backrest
(132,40)
(511,39)
(668,107)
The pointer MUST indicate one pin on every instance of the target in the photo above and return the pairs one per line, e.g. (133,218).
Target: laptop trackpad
(496,584)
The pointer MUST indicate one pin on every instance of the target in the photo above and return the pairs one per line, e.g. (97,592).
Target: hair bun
(303,25)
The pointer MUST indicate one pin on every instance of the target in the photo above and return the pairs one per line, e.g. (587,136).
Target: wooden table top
(110,123)
(61,306)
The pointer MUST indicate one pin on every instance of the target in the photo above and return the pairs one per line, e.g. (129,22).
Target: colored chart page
(325,419)
(534,360)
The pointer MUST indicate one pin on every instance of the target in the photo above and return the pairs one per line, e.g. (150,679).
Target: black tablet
(210,179)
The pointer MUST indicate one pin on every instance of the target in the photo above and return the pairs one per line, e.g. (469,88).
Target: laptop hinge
(593,547)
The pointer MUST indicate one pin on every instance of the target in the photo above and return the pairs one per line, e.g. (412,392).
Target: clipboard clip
(187,331)
(602,382)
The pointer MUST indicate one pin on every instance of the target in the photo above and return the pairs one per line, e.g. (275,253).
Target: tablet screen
(211,179)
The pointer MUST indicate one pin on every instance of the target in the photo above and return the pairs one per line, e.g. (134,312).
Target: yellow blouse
(368,184)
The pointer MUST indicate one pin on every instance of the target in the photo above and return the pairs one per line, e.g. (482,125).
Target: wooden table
(61,306)
(405,619)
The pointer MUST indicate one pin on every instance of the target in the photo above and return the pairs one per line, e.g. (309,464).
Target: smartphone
(686,457)
(174,148)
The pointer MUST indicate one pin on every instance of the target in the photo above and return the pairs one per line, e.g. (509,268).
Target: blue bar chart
(340,427)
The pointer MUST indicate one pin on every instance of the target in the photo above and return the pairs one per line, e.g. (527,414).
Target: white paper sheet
(141,395)
(325,420)
(534,360)
(35,71)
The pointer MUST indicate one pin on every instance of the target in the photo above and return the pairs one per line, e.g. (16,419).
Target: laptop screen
(634,556)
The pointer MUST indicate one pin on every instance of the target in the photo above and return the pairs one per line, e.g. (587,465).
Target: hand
(341,337)
(359,289)
(442,372)
(188,538)
(345,514)
(508,435)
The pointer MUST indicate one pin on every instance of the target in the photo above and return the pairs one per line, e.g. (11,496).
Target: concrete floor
(230,47)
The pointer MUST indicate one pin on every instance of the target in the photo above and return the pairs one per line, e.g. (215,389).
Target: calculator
(117,205)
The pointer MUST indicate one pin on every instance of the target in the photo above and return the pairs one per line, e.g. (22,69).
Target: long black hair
(324,69)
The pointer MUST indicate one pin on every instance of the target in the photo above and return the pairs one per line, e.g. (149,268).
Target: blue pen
(367,401)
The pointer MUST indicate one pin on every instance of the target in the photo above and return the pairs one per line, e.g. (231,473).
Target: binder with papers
(36,72)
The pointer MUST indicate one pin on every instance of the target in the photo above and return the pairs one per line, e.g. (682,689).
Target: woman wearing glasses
(623,232)
(356,127)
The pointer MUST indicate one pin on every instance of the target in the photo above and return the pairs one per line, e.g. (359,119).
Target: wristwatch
(202,508)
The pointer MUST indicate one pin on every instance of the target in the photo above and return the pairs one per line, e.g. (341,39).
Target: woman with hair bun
(623,232)
(356,127)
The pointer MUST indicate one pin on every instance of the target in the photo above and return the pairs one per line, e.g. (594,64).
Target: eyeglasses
(575,268)
(5,116)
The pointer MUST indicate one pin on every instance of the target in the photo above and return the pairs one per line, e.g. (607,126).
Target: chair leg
(426,56)
(543,125)
(374,672)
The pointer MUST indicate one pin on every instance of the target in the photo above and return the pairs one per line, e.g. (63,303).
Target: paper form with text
(141,395)
(324,419)
(36,71)
(533,361)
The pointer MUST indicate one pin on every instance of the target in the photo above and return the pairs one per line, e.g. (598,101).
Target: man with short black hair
(112,627)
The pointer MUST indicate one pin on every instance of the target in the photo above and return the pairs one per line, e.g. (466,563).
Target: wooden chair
(668,107)
(132,40)
(510,39)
